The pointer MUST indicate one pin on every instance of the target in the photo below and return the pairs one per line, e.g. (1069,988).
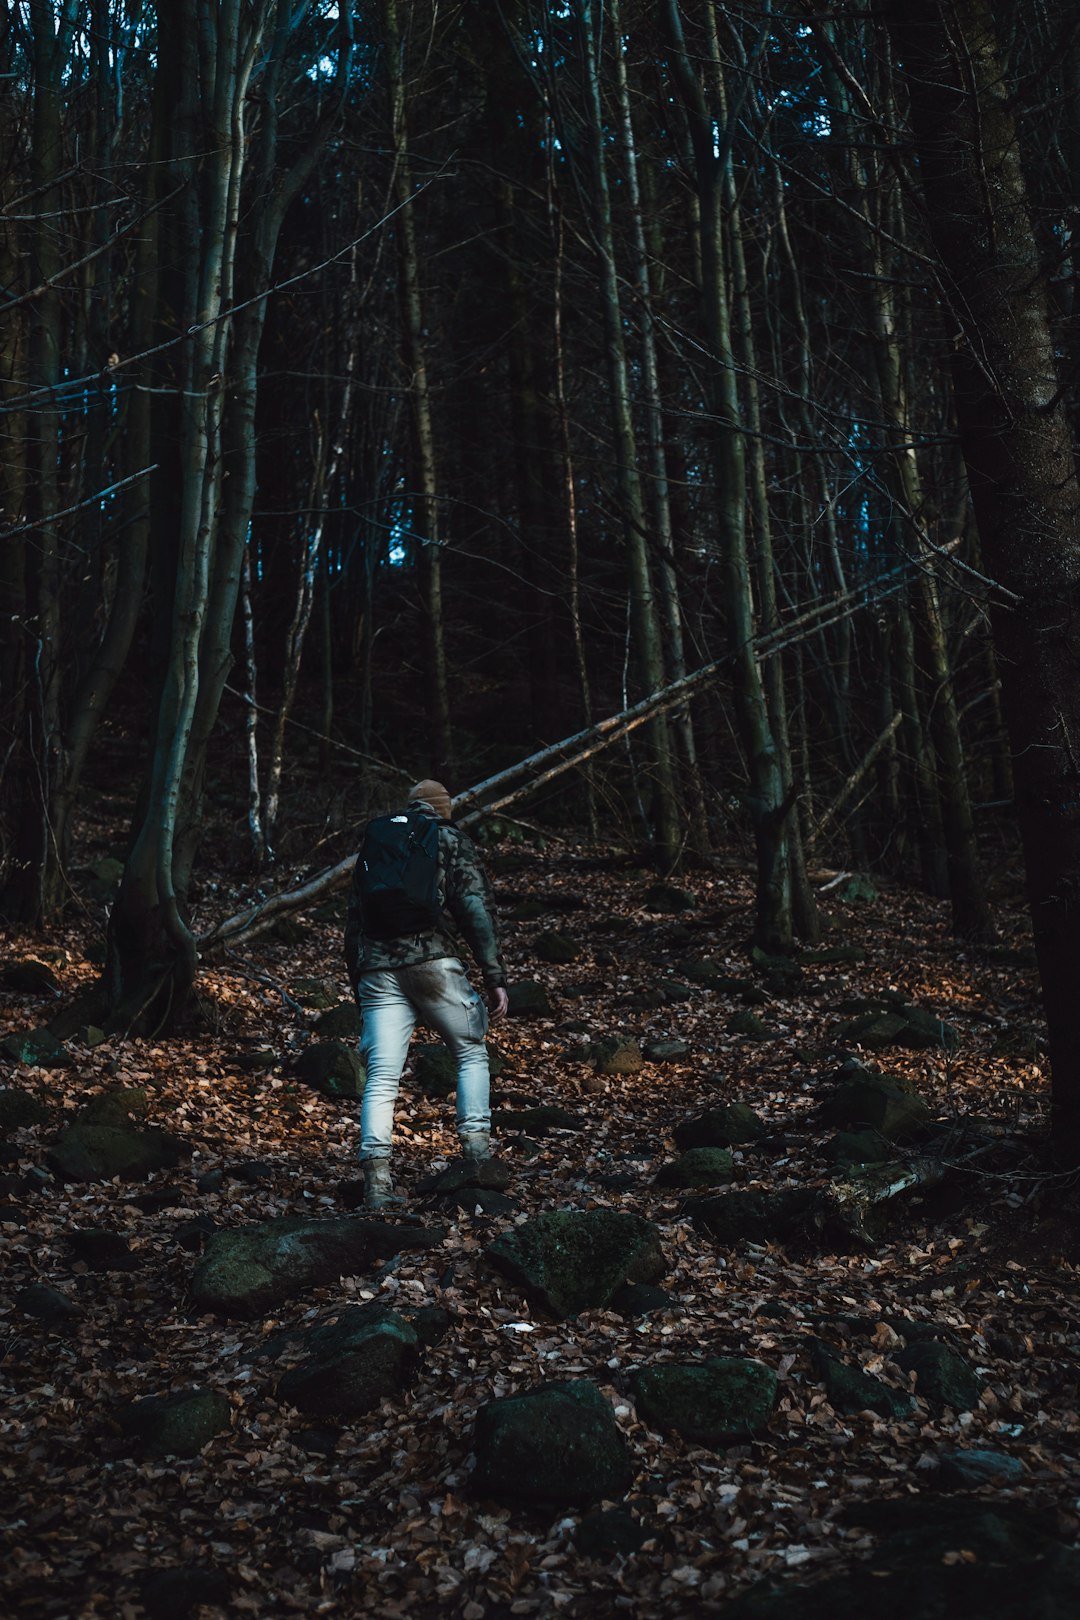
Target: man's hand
(498,1001)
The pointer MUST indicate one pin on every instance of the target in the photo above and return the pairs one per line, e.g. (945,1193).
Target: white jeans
(393,1001)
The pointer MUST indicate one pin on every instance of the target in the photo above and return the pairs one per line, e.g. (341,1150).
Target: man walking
(418,884)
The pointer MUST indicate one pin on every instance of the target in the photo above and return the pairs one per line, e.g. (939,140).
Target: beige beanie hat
(432,793)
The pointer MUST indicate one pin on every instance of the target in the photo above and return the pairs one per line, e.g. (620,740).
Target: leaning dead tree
(509,786)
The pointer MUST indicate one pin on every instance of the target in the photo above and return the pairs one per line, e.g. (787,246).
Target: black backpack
(397,875)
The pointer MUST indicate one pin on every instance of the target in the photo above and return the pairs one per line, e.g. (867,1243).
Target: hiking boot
(476,1146)
(378,1186)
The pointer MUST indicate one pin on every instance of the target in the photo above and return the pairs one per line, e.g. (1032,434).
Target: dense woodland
(658,421)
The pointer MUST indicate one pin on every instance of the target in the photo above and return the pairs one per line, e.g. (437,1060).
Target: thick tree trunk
(1021,468)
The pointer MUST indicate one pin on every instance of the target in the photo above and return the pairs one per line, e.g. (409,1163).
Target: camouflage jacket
(468,913)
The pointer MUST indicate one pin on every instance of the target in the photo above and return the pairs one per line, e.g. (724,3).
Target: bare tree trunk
(1021,467)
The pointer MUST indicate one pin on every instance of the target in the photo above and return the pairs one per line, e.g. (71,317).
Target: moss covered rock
(117,1106)
(697,1167)
(20,1108)
(435,1068)
(249,1269)
(760,1217)
(535,1121)
(943,1377)
(568,1261)
(720,1402)
(748,1025)
(556,948)
(877,1103)
(858,1147)
(528,999)
(557,1445)
(176,1425)
(89,1152)
(669,898)
(851,1390)
(617,1054)
(340,1023)
(728,1126)
(28,977)
(332,1068)
(352,1365)
(37,1048)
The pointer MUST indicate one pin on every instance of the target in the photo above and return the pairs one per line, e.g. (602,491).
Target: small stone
(493,1173)
(855,890)
(673,991)
(642,1299)
(192,1235)
(535,1121)
(211,1181)
(353,1364)
(528,911)
(87,1152)
(117,1106)
(318,994)
(858,1147)
(943,1378)
(178,1592)
(258,1061)
(851,1390)
(252,1171)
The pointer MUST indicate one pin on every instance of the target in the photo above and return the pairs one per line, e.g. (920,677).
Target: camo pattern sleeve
(470,904)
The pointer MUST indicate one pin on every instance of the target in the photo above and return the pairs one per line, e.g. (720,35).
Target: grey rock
(943,1377)
(697,1167)
(568,1261)
(665,1051)
(969,1470)
(617,1054)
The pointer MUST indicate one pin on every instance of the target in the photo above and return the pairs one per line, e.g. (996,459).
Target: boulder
(748,1025)
(48,1305)
(37,1048)
(340,1023)
(332,1068)
(720,1402)
(557,1445)
(20,1108)
(608,1533)
(943,1377)
(877,1022)
(100,1250)
(760,1217)
(875,1102)
(858,1147)
(87,1152)
(617,1054)
(851,1390)
(669,898)
(318,994)
(352,1364)
(435,1068)
(697,1167)
(727,1126)
(103,878)
(556,948)
(176,1425)
(535,1121)
(568,1261)
(117,1106)
(247,1270)
(528,999)
(974,1468)
(179,1591)
(27,977)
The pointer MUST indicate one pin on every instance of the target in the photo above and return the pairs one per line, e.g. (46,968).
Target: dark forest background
(397,389)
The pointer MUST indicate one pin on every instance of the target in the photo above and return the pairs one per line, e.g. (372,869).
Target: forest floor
(377,1515)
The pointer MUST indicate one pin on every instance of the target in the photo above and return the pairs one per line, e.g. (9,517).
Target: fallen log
(497,792)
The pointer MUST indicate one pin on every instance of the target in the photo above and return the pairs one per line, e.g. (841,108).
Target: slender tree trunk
(646,640)
(420,401)
(1021,467)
